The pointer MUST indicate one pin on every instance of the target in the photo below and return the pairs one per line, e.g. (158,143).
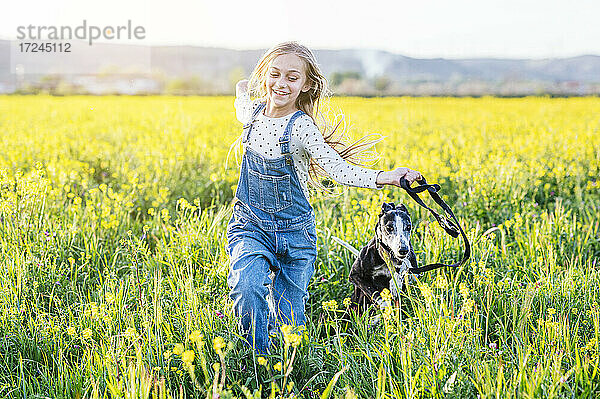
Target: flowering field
(113,264)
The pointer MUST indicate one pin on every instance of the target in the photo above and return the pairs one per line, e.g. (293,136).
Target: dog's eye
(407,227)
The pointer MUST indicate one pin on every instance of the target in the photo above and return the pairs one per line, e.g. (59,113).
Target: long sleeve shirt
(306,141)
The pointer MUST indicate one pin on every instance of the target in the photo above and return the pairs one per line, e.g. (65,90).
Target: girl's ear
(306,87)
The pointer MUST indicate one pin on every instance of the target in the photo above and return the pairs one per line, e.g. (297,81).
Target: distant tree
(338,77)
(382,83)
(49,83)
(187,86)
(65,89)
(354,87)
(175,86)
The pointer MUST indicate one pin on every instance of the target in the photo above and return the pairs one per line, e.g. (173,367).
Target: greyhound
(370,272)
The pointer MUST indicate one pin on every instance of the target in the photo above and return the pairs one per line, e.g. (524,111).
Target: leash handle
(451,227)
(447,224)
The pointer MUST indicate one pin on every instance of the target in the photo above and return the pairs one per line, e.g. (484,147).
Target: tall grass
(113,284)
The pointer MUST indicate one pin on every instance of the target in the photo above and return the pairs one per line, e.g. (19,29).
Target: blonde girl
(271,237)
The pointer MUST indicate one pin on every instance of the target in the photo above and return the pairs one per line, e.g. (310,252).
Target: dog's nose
(403,251)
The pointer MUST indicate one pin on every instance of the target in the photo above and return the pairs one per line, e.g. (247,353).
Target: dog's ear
(402,208)
(386,207)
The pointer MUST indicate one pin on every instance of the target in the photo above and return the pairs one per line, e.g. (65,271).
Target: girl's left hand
(393,176)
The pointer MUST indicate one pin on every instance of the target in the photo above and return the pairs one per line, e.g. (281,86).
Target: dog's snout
(403,251)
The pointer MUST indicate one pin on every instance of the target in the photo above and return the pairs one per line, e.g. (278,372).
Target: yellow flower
(164,214)
(178,349)
(261,360)
(218,344)
(386,295)
(591,345)
(464,291)
(286,330)
(196,336)
(277,366)
(87,333)
(427,293)
(92,310)
(489,275)
(293,339)
(188,357)
(130,332)
(468,306)
(441,282)
(330,305)
(110,298)
(551,311)
(71,331)
(167,354)
(346,302)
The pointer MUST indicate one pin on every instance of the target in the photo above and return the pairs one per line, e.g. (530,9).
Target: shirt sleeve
(339,169)
(243,107)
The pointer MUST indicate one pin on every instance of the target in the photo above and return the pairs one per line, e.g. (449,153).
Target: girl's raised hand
(241,87)
(393,176)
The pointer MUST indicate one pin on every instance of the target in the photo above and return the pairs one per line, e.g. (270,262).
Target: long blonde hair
(360,152)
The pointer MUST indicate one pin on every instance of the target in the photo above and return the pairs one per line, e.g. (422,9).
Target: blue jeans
(269,276)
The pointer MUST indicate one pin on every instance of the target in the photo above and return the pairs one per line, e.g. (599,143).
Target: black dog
(370,274)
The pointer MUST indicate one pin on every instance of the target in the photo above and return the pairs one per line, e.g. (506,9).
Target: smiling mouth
(281,93)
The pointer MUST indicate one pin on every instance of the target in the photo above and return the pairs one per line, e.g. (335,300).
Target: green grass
(98,287)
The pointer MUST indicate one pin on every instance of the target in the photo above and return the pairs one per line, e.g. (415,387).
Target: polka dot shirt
(306,142)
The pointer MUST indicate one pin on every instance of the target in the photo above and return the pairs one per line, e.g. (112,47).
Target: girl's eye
(293,78)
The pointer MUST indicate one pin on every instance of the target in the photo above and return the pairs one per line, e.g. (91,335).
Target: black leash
(451,227)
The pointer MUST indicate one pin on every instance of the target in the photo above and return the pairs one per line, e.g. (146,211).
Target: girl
(271,237)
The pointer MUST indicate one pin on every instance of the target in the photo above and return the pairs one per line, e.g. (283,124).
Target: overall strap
(284,140)
(248,126)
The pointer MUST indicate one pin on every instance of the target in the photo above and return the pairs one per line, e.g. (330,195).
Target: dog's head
(393,231)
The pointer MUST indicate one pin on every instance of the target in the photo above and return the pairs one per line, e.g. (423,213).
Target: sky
(423,28)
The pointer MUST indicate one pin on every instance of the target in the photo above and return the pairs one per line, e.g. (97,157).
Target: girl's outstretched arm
(348,174)
(336,167)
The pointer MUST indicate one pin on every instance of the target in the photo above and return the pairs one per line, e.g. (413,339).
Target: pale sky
(417,28)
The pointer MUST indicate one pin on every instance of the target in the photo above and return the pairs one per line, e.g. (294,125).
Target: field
(113,265)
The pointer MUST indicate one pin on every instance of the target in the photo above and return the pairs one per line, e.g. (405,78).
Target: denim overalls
(271,242)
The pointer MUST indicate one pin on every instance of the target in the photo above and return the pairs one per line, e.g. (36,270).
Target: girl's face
(286,79)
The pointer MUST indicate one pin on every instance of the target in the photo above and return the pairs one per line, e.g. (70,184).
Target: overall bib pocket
(269,193)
